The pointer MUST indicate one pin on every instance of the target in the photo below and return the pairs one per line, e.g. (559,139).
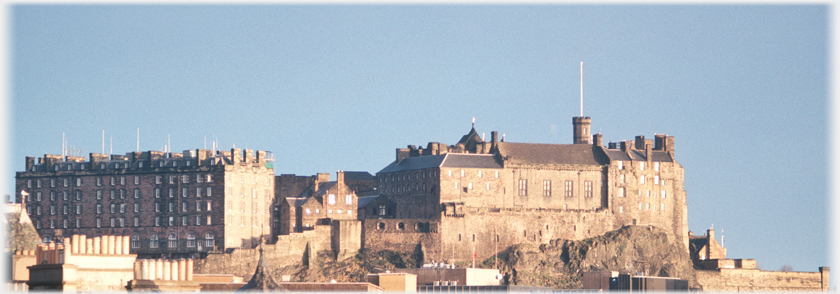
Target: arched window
(209,240)
(401,226)
(135,241)
(380,226)
(190,240)
(173,240)
(153,241)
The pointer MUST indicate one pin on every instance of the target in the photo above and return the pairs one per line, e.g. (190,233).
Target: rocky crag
(559,264)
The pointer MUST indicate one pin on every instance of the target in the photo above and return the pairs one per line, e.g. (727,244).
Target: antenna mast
(581,89)
(138,139)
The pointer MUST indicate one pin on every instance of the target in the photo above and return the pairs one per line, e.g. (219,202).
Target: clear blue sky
(744,89)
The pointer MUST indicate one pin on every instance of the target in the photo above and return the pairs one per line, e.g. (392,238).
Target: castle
(453,201)
(471,198)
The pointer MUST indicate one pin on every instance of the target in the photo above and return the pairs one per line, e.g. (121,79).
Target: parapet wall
(753,280)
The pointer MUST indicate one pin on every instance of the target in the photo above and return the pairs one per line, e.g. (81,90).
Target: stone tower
(581,129)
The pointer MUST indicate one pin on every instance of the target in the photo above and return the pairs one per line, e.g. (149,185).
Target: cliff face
(561,263)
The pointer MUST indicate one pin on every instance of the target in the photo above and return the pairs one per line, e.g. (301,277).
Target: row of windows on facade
(408,176)
(621,193)
(120,222)
(656,181)
(254,207)
(115,193)
(479,173)
(647,207)
(199,178)
(329,211)
(568,188)
(209,240)
(401,226)
(620,165)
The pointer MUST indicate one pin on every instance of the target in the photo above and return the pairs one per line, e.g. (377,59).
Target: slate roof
(295,202)
(530,153)
(364,201)
(358,176)
(471,137)
(463,160)
(637,155)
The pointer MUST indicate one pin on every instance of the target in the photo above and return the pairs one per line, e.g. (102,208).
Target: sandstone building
(476,196)
(169,203)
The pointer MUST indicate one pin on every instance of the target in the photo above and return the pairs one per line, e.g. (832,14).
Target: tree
(786,268)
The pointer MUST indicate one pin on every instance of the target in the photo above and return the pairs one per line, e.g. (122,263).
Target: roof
(531,153)
(358,176)
(21,233)
(364,201)
(471,137)
(638,155)
(295,201)
(463,160)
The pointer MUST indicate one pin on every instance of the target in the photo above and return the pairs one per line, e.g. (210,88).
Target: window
(38,210)
(171,221)
(456,185)
(648,193)
(98,208)
(78,223)
(52,209)
(38,196)
(184,192)
(197,206)
(157,207)
(153,241)
(662,193)
(122,207)
(122,222)
(29,183)
(546,188)
(208,205)
(308,211)
(183,206)
(209,191)
(450,172)
(621,178)
(52,183)
(157,179)
(52,224)
(331,199)
(65,182)
(479,173)
(122,193)
(469,186)
(523,187)
(137,180)
(198,179)
(135,241)
(113,193)
(122,180)
(140,164)
(587,189)
(647,206)
(641,166)
(171,193)
(570,189)
(209,178)
(197,220)
(620,192)
(190,240)
(98,222)
(488,186)
(113,181)
(136,193)
(197,192)
(208,221)
(136,207)
(656,166)
(65,209)
(382,210)
(209,239)
(462,173)
(78,209)
(185,179)
(621,209)
(171,207)
(157,221)
(64,224)
(113,207)
(348,199)
(642,179)
(656,180)
(172,179)
(78,182)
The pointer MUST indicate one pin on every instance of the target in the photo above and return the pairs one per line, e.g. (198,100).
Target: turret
(581,129)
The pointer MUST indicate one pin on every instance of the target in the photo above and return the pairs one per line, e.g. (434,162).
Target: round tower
(581,129)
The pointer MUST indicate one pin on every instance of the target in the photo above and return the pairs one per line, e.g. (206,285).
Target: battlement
(98,162)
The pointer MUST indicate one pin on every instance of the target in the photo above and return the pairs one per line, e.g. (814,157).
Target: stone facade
(169,203)
(493,194)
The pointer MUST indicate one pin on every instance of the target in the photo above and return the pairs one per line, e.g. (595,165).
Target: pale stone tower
(581,129)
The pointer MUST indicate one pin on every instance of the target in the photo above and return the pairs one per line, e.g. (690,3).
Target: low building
(717,273)
(76,267)
(437,275)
